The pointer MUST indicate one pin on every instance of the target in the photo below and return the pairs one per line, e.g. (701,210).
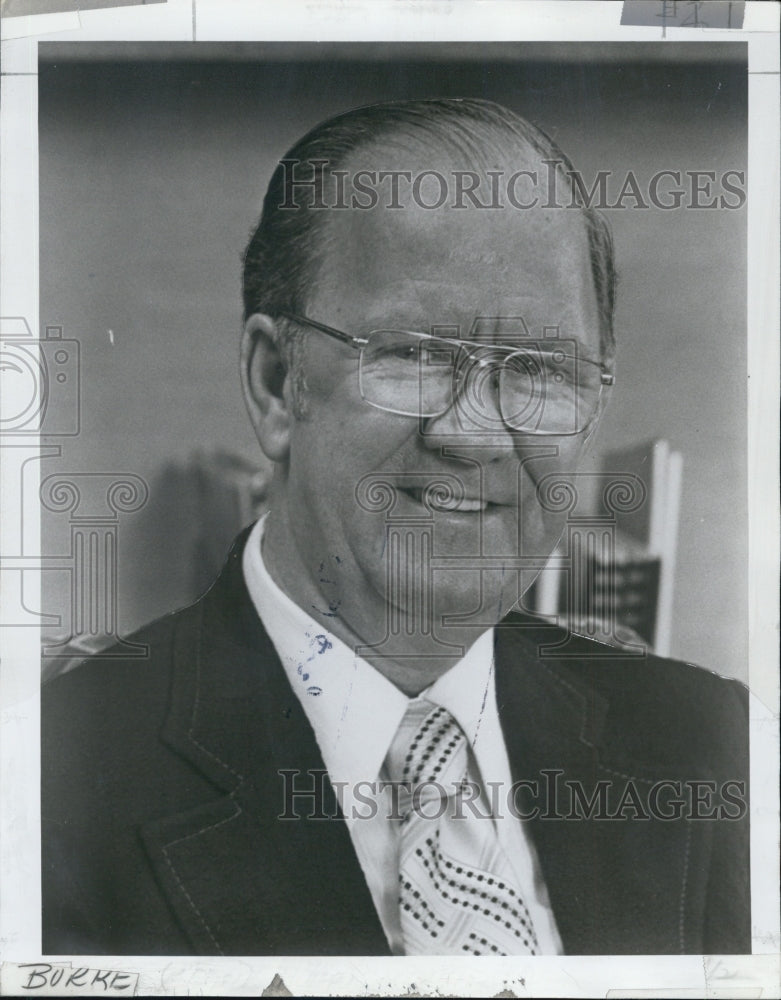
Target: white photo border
(369,20)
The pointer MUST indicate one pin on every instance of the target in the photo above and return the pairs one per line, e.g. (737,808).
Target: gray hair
(281,260)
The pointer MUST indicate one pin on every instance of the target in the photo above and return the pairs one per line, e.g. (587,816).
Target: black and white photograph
(387,480)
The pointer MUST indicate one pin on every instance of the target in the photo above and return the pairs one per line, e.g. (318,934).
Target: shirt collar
(353,710)
(467,687)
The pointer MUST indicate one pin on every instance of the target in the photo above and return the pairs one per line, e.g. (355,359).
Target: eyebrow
(572,346)
(394,322)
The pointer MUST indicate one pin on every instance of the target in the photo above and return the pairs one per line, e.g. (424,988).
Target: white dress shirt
(355,712)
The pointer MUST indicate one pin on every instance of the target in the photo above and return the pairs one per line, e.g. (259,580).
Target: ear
(266,386)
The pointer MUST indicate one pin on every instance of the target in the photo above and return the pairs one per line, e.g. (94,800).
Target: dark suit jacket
(161,792)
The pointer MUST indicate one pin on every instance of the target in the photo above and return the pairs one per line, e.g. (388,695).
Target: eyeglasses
(537,388)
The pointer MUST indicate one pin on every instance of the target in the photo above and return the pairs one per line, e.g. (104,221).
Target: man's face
(414,269)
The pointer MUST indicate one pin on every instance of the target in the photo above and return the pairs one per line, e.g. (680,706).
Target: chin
(477,602)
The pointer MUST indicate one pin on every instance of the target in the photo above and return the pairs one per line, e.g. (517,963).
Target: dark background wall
(152,171)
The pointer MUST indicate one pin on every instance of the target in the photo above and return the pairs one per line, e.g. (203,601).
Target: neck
(394,640)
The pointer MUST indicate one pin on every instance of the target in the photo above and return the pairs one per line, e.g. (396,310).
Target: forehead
(414,266)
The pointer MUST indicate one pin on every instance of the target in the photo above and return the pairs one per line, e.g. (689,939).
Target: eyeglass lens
(539,388)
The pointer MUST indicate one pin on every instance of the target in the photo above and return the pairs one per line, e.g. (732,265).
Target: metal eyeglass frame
(358,343)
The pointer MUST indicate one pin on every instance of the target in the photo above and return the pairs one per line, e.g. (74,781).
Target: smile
(450,504)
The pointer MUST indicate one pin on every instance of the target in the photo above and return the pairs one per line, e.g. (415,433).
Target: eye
(401,352)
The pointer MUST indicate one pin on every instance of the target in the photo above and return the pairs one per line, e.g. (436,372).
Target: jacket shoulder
(143,659)
(671,709)
(107,712)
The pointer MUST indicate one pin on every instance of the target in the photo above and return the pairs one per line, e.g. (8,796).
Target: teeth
(466,505)
(470,505)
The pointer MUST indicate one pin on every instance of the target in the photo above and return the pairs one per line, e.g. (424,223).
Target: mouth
(442,501)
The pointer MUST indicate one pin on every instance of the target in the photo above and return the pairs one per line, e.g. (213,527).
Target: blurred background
(154,159)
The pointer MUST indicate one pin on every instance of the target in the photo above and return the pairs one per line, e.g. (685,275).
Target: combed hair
(282,258)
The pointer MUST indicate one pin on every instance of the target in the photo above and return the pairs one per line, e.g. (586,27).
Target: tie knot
(429,748)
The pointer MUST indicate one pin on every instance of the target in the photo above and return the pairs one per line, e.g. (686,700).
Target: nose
(473,416)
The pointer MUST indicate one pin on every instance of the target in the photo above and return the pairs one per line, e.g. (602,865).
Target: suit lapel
(243,881)
(616,886)
(240,879)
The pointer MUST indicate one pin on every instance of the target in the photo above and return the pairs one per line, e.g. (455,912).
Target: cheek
(347,430)
(550,487)
(337,447)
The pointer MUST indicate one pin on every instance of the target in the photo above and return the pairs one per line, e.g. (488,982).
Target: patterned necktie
(456,891)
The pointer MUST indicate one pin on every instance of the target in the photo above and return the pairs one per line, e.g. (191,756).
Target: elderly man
(352,744)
